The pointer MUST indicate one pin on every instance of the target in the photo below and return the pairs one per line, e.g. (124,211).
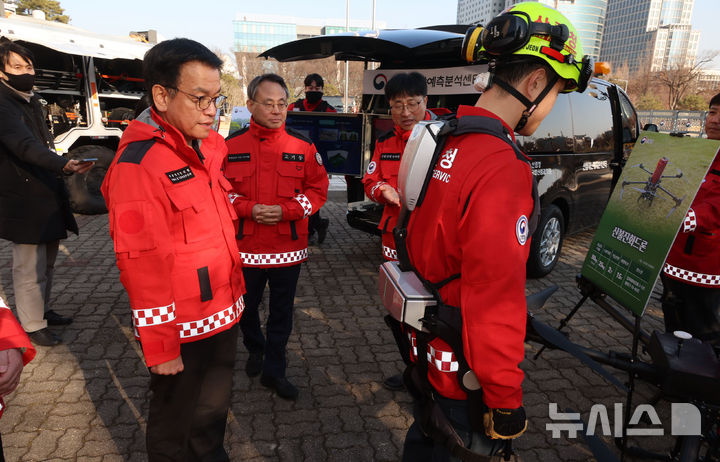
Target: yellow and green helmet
(532,29)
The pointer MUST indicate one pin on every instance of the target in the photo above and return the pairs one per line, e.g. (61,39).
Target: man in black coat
(34,209)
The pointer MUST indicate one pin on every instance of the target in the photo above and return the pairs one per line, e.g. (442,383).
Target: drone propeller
(558,340)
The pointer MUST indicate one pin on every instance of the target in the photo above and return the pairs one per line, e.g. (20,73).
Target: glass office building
(655,33)
(588,17)
(478,11)
(257,33)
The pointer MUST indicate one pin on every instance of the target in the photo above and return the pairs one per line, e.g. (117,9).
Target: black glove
(505,424)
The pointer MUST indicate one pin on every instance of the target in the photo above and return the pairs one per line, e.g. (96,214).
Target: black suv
(577,152)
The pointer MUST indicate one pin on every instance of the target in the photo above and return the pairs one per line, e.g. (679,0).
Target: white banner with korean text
(441,81)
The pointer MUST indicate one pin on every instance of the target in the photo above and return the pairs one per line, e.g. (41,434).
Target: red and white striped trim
(444,361)
(691,276)
(305,204)
(211,323)
(374,188)
(257,259)
(390,253)
(145,317)
(690,222)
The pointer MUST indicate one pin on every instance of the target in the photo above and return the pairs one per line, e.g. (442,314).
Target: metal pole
(347,63)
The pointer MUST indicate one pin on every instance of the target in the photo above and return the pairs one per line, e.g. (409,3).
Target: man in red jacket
(406,94)
(15,351)
(278,181)
(470,236)
(313,101)
(407,97)
(172,226)
(691,275)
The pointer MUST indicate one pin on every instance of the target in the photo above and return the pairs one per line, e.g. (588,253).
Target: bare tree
(679,79)
(641,79)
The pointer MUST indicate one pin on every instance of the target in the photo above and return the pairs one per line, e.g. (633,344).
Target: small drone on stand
(652,185)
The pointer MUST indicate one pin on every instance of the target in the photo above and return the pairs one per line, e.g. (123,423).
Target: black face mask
(313,97)
(21,82)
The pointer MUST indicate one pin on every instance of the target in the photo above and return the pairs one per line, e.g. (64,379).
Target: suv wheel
(546,242)
(84,189)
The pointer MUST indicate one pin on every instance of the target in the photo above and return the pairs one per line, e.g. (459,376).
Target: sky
(212,24)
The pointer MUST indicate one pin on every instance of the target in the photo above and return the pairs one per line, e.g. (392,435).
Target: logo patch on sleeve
(293,157)
(371,168)
(178,176)
(390,156)
(240,157)
(318,158)
(521,229)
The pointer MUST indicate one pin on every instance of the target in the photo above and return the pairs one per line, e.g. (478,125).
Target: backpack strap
(446,321)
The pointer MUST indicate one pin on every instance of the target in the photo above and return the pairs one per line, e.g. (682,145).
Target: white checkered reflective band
(233,197)
(305,204)
(377,185)
(444,361)
(257,259)
(389,253)
(211,323)
(691,276)
(690,222)
(145,317)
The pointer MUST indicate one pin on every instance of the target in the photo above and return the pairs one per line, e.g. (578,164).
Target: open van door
(576,154)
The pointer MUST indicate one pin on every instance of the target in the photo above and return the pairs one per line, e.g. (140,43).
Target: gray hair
(255,83)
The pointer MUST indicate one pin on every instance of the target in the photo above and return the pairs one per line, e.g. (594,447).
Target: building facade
(588,17)
(655,33)
(478,11)
(257,33)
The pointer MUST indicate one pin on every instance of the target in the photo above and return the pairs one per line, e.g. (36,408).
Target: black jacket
(34,204)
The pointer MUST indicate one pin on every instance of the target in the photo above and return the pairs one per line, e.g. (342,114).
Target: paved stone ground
(86,399)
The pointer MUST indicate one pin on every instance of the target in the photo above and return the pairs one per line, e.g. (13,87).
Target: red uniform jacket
(474,221)
(172,226)
(383,169)
(303,105)
(13,336)
(274,167)
(695,255)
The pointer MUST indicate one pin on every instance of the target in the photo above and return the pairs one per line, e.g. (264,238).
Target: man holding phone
(34,209)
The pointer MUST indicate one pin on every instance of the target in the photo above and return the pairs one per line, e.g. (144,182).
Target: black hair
(317,78)
(162,62)
(715,101)
(514,68)
(8,46)
(407,84)
(255,83)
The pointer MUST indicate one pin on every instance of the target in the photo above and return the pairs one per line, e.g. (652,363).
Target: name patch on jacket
(293,157)
(243,157)
(390,156)
(178,176)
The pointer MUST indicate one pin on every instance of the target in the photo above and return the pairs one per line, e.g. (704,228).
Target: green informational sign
(645,212)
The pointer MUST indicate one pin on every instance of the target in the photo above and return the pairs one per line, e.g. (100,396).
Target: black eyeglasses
(281,106)
(398,107)
(202,102)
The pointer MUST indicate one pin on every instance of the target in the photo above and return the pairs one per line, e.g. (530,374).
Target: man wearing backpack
(470,239)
